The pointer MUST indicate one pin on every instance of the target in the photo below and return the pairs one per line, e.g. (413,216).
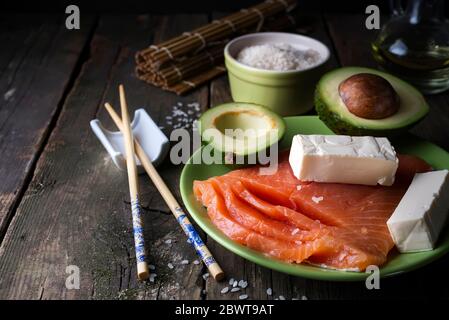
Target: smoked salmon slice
(332,225)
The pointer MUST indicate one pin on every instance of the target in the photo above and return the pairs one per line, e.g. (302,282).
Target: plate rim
(299,270)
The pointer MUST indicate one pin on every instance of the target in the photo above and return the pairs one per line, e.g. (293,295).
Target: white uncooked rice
(278,56)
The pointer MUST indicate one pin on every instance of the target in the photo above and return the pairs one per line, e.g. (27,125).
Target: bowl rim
(229,57)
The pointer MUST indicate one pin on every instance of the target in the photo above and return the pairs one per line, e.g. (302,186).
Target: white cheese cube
(422,212)
(343,159)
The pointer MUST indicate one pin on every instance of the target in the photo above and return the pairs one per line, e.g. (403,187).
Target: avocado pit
(369,96)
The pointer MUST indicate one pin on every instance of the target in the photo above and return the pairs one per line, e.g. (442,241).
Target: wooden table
(64,203)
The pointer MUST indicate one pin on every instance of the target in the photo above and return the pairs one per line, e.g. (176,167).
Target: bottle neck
(425,10)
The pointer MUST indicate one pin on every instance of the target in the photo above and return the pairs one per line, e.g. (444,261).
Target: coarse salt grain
(183,115)
(205,276)
(278,56)
(8,94)
(235,289)
(243,296)
(317,199)
(170,265)
(185,262)
(196,262)
(224,290)
(269,291)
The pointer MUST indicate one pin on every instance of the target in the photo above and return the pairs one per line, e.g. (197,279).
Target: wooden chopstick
(142,267)
(214,269)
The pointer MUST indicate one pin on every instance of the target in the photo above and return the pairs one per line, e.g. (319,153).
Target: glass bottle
(414,44)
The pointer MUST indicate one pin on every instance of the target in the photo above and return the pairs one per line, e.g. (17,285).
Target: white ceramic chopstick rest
(153,141)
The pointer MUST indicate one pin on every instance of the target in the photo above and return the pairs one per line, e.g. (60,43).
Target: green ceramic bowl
(285,92)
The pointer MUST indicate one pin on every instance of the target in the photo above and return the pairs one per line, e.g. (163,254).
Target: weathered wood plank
(260,278)
(352,42)
(76,210)
(235,267)
(37,59)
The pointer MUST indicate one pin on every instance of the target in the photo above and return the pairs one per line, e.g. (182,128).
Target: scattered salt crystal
(152,267)
(281,298)
(205,276)
(243,284)
(183,114)
(269,291)
(224,290)
(231,281)
(196,262)
(235,289)
(243,296)
(189,241)
(295,231)
(235,283)
(168,241)
(152,277)
(303,298)
(185,262)
(298,187)
(317,199)
(170,265)
(8,94)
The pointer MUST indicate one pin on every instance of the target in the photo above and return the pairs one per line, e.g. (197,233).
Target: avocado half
(240,128)
(334,113)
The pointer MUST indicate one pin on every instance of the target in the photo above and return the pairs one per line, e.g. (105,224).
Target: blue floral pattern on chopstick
(194,237)
(138,230)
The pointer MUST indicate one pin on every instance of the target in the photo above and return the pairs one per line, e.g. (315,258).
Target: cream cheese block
(343,159)
(420,216)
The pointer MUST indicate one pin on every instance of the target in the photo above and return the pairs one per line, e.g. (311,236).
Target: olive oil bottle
(414,45)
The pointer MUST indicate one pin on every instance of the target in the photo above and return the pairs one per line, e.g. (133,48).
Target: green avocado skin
(334,122)
(230,159)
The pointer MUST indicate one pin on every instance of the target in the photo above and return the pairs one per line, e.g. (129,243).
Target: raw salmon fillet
(339,226)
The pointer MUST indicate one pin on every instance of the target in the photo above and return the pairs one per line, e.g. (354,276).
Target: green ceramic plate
(397,263)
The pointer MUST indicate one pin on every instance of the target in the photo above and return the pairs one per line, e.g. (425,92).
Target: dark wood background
(63,202)
(178,6)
